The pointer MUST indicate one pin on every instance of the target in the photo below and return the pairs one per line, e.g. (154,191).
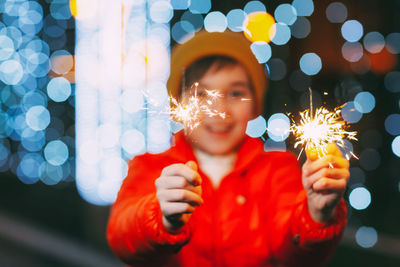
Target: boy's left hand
(323,184)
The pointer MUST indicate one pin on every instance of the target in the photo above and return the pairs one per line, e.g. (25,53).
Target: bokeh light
(161,12)
(364,102)
(303,7)
(11,72)
(200,6)
(262,51)
(180,4)
(352,52)
(374,42)
(301,28)
(56,152)
(196,20)
(182,31)
(336,12)
(38,118)
(350,113)
(370,159)
(215,22)
(259,26)
(392,81)
(310,63)
(360,198)
(277,69)
(6,47)
(271,145)
(59,89)
(366,237)
(256,127)
(133,142)
(352,30)
(285,13)
(396,146)
(281,33)
(278,127)
(393,42)
(254,6)
(392,124)
(235,19)
(61,61)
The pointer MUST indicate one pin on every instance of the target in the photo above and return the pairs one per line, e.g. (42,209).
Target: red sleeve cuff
(306,231)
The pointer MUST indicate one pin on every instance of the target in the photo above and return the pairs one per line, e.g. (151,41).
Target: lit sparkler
(315,132)
(194,106)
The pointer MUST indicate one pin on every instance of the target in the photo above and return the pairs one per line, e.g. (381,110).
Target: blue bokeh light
(38,118)
(277,69)
(310,63)
(215,22)
(271,145)
(360,198)
(50,174)
(396,146)
(28,170)
(336,12)
(182,31)
(364,102)
(256,127)
(33,140)
(392,124)
(235,20)
(262,51)
(278,127)
(254,6)
(6,47)
(374,42)
(301,28)
(200,6)
(393,42)
(34,98)
(303,7)
(366,237)
(59,89)
(392,81)
(282,34)
(56,152)
(286,14)
(11,72)
(350,113)
(352,30)
(196,20)
(60,9)
(180,4)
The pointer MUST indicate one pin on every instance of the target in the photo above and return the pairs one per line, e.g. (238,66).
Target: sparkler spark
(316,132)
(194,106)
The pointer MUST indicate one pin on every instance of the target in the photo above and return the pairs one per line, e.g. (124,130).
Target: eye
(236,93)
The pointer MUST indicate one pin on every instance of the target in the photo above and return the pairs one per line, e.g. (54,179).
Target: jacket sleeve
(135,231)
(297,240)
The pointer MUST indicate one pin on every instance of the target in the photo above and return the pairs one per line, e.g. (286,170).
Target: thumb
(312,154)
(191,164)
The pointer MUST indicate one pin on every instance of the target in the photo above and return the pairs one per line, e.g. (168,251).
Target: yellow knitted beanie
(227,43)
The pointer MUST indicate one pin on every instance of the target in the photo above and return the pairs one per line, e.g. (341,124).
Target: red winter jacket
(258,216)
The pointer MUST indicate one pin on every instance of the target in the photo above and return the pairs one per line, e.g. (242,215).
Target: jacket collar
(247,153)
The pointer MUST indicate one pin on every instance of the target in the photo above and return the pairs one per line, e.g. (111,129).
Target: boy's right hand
(179,193)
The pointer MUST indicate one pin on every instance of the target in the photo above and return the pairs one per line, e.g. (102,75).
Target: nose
(221,106)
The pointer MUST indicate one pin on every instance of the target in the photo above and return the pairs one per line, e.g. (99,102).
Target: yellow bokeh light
(259,26)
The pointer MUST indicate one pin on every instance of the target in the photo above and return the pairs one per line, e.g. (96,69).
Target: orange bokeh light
(383,62)
(259,26)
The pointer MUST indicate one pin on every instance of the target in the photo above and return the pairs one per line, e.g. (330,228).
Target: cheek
(243,113)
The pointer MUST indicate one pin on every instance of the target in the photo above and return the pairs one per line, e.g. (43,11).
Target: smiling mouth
(219,129)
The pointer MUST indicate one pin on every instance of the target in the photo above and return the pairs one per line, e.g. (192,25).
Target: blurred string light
(235,19)
(364,102)
(366,237)
(25,65)
(285,13)
(261,50)
(278,127)
(303,7)
(360,198)
(281,33)
(254,6)
(200,6)
(215,22)
(352,51)
(374,42)
(122,65)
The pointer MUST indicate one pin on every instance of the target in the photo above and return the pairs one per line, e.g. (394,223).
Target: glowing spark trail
(316,132)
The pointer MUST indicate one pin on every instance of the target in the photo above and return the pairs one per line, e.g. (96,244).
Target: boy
(215,198)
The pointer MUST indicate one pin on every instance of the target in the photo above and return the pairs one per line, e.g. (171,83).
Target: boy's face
(215,135)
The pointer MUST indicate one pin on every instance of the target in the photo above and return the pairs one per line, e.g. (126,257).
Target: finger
(180,195)
(191,164)
(176,208)
(312,154)
(183,170)
(333,149)
(311,167)
(332,185)
(170,182)
(331,173)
